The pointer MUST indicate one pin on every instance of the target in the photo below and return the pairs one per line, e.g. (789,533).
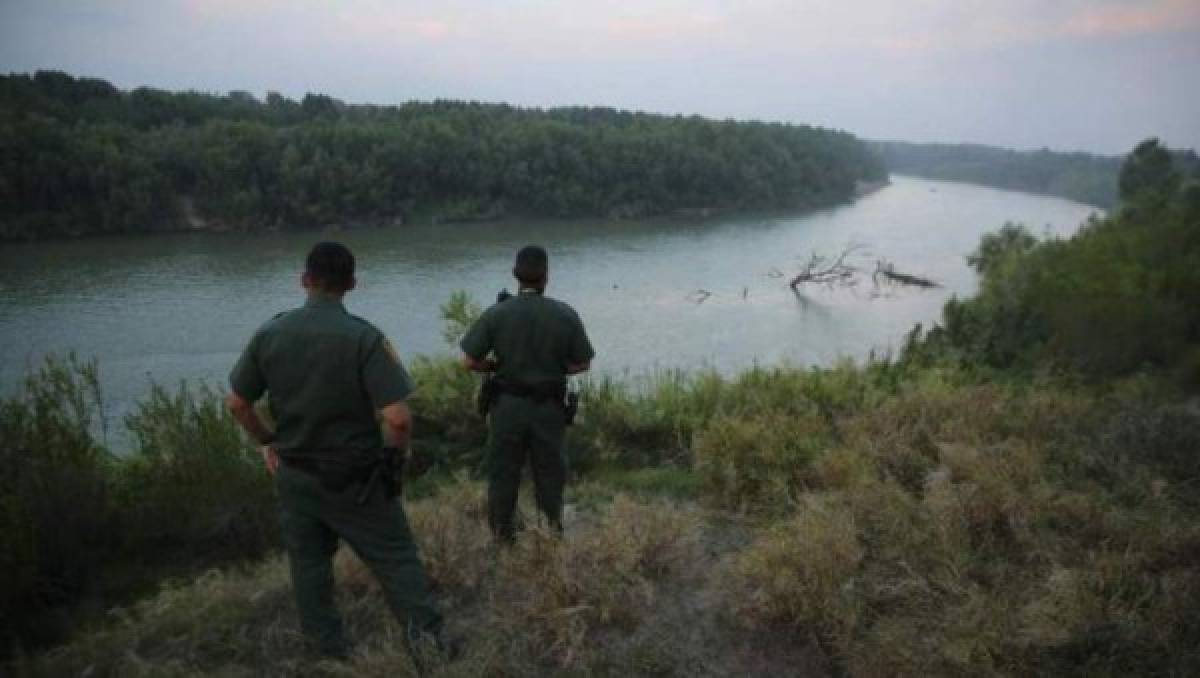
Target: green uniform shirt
(534,337)
(326,374)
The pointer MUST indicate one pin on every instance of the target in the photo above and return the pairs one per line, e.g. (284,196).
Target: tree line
(1087,178)
(80,156)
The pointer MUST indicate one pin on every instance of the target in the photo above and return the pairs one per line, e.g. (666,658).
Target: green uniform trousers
(520,428)
(313,518)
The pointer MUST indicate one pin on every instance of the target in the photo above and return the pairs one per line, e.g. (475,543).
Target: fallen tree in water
(821,270)
(888,272)
(836,271)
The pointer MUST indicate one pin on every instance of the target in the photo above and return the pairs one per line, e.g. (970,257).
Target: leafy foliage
(57,509)
(1148,168)
(79,156)
(1116,298)
(190,488)
(1090,179)
(84,526)
(996,248)
(458,314)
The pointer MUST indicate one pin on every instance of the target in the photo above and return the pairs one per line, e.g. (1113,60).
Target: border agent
(537,342)
(326,374)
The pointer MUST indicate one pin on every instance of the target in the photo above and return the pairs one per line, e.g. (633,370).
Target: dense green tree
(1091,179)
(82,157)
(1148,168)
(1012,240)
(1118,297)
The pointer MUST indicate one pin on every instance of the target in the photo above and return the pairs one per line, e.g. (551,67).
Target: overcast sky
(1094,75)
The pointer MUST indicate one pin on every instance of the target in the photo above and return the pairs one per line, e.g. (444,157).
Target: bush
(84,526)
(801,573)
(193,487)
(447,429)
(1114,300)
(57,511)
(454,538)
(555,595)
(760,463)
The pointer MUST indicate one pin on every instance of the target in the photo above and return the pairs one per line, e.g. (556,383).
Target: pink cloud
(1145,17)
(663,28)
(395,24)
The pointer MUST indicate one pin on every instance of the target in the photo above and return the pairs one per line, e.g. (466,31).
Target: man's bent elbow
(579,367)
(237,404)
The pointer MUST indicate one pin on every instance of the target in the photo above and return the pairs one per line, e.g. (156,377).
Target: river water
(171,307)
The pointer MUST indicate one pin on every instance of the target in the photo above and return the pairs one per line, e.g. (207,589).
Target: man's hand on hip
(270,458)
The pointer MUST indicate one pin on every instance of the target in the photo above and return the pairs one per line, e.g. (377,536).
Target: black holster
(571,407)
(488,392)
(386,471)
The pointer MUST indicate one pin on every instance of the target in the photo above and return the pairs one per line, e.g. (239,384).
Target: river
(177,307)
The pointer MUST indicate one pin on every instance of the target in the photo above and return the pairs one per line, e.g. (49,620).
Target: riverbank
(877,519)
(185,218)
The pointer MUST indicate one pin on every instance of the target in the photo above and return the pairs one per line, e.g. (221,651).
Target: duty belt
(547,390)
(338,469)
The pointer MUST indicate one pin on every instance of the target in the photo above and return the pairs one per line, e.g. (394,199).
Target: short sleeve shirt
(535,338)
(325,373)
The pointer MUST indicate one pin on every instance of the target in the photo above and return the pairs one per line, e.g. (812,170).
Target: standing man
(331,378)
(537,341)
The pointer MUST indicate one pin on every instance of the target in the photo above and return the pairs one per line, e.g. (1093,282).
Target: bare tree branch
(821,270)
(888,272)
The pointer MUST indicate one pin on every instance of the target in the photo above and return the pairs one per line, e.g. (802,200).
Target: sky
(1094,75)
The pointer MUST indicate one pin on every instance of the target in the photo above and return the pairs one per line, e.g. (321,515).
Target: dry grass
(547,605)
(985,531)
(801,572)
(554,601)
(942,530)
(759,463)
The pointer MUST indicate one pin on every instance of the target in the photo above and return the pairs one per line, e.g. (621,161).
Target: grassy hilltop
(1014,493)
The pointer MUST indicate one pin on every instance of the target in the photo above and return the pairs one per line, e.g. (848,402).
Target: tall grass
(191,489)
(83,526)
(995,531)
(57,510)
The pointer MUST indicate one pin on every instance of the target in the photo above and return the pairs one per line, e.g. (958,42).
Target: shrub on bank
(57,510)
(998,530)
(83,526)
(1115,299)
(447,429)
(191,489)
(801,573)
(759,463)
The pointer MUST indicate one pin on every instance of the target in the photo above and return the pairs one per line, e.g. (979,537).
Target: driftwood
(821,270)
(888,272)
(835,271)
